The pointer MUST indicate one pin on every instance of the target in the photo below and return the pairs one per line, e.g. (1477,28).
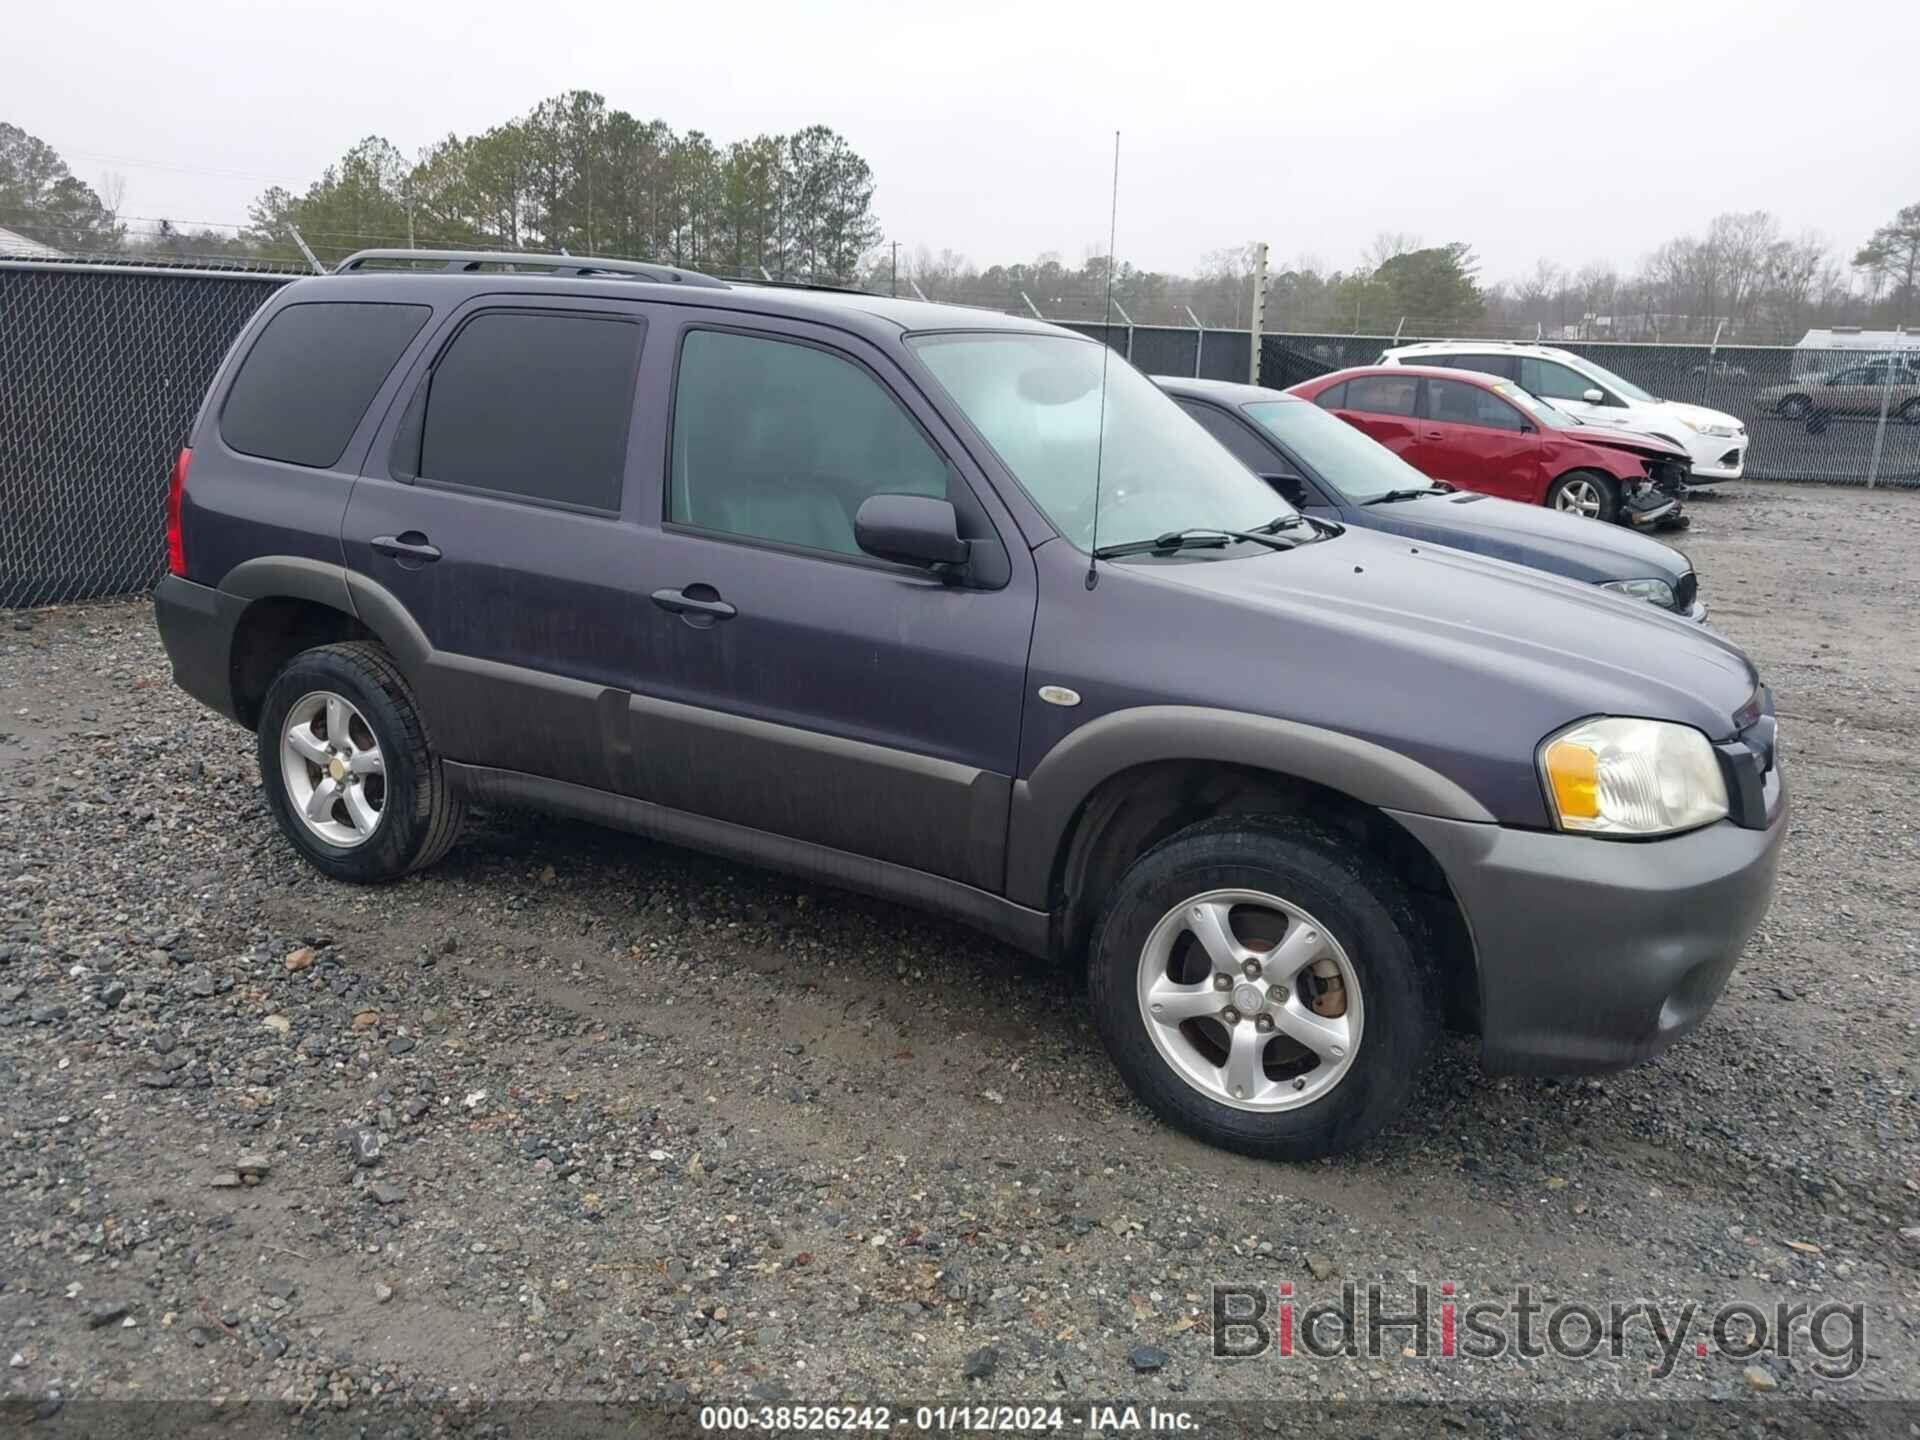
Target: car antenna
(1106,354)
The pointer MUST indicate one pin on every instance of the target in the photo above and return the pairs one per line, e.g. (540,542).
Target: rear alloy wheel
(1585,492)
(1793,407)
(347,767)
(1262,984)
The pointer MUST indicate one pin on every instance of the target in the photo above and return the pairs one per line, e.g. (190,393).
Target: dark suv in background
(958,609)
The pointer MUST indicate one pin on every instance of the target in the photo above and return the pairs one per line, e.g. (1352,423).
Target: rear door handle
(1434,435)
(695,601)
(407,545)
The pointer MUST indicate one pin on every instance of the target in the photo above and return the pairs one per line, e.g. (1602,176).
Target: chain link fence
(101,370)
(103,366)
(1841,416)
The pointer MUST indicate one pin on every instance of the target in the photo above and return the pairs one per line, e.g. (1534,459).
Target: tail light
(176,542)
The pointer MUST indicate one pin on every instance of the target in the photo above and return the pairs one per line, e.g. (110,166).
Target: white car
(1716,440)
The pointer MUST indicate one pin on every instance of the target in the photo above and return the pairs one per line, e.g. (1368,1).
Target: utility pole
(1258,317)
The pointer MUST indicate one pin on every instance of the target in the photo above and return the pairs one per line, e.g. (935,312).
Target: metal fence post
(1031,306)
(1199,339)
(1129,319)
(1880,430)
(1258,319)
(1706,385)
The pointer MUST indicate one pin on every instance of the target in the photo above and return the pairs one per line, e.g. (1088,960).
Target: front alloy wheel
(1264,983)
(1250,1000)
(1579,496)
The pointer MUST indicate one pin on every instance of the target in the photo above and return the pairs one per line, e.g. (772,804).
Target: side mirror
(1290,488)
(910,530)
(1593,396)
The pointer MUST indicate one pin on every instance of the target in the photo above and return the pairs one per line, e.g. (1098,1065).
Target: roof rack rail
(802,285)
(468,262)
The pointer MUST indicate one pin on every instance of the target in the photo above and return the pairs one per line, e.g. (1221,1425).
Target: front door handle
(1434,435)
(408,545)
(695,602)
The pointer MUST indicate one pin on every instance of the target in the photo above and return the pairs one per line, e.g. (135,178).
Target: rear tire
(348,769)
(1300,909)
(1586,492)
(1793,407)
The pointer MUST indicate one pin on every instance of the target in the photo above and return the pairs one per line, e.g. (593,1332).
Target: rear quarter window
(309,378)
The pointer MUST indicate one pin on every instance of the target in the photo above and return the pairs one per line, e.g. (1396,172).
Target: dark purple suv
(958,609)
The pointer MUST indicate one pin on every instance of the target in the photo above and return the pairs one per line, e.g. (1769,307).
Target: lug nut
(1265,1022)
(1223,982)
(1251,969)
(1230,1015)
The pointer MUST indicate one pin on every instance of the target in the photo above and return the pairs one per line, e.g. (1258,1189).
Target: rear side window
(310,376)
(535,405)
(1334,397)
(1382,394)
(1501,365)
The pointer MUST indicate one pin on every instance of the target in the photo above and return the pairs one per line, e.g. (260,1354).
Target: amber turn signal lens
(1574,772)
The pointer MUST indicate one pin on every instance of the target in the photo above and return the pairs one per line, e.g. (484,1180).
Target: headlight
(1620,777)
(1654,592)
(1708,427)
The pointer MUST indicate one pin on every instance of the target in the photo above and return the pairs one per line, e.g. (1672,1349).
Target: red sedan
(1480,432)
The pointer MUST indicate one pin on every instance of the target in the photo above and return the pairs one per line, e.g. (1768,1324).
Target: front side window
(1340,456)
(534,405)
(1551,381)
(1382,394)
(1598,375)
(1037,400)
(310,376)
(782,441)
(1230,433)
(1455,402)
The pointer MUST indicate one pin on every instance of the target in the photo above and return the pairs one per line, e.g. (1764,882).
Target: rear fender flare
(295,577)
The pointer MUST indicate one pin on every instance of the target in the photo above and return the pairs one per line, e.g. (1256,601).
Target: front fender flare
(1047,802)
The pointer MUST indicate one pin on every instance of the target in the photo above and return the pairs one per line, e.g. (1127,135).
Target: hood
(1461,662)
(1700,414)
(1640,442)
(1568,545)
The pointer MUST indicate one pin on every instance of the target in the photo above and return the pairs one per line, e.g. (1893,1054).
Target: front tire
(1586,492)
(1793,407)
(347,767)
(1288,913)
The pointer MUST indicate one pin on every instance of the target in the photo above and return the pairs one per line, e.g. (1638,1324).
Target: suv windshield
(1036,399)
(1607,377)
(1360,468)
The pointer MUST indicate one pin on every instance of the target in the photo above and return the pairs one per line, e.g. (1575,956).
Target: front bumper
(1717,457)
(1595,954)
(196,624)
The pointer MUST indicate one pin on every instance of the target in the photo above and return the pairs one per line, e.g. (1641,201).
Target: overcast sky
(1570,130)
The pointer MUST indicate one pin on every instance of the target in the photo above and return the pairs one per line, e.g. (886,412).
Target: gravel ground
(575,1115)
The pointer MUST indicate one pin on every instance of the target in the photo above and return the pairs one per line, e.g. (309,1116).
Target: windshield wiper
(1392,495)
(1196,537)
